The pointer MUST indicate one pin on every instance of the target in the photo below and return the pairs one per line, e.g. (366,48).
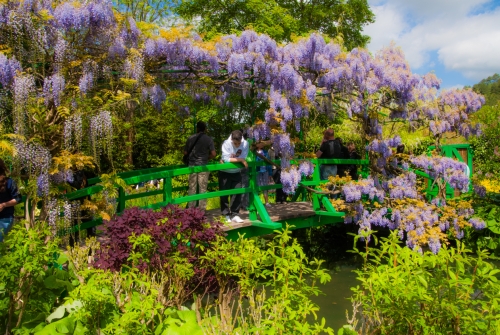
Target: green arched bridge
(307,209)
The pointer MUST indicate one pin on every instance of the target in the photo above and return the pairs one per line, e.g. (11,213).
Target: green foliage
(404,292)
(486,166)
(43,291)
(38,297)
(281,271)
(159,138)
(490,88)
(30,284)
(282,20)
(144,10)
(485,160)
(488,238)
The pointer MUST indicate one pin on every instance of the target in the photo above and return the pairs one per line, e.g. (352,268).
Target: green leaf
(36,322)
(62,258)
(182,323)
(493,225)
(57,314)
(80,329)
(347,330)
(452,275)
(61,328)
(74,306)
(422,280)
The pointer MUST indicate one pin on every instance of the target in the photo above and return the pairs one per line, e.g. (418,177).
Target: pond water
(334,303)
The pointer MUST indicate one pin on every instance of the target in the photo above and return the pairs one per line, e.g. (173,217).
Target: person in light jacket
(234,150)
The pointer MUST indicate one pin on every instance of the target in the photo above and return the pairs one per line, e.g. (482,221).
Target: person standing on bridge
(330,148)
(234,150)
(201,149)
(9,197)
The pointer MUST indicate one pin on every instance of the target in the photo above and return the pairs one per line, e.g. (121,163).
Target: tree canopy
(490,88)
(145,10)
(281,19)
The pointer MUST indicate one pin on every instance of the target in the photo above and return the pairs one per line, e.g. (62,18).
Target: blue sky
(457,39)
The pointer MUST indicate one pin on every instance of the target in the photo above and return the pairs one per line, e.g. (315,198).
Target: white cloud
(388,27)
(466,38)
(426,9)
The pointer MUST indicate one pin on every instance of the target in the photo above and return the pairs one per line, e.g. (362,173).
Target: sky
(457,39)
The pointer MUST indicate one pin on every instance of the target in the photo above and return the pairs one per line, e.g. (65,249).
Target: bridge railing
(258,214)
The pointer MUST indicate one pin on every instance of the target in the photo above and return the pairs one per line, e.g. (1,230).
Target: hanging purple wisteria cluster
(451,171)
(73,132)
(34,160)
(101,132)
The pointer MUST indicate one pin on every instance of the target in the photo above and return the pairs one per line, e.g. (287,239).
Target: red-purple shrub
(172,229)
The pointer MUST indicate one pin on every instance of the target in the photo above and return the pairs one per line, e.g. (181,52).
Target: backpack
(335,149)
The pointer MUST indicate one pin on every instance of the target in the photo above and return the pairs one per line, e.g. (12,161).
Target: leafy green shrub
(30,284)
(405,292)
(488,209)
(264,290)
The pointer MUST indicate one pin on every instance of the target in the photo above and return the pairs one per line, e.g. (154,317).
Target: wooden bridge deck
(277,213)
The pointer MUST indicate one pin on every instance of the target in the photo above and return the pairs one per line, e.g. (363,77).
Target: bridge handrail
(256,209)
(321,203)
(138,176)
(146,172)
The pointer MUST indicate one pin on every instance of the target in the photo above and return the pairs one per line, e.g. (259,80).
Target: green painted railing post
(470,154)
(121,200)
(304,194)
(316,179)
(252,184)
(167,189)
(264,216)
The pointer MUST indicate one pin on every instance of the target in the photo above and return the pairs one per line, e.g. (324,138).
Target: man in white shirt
(234,150)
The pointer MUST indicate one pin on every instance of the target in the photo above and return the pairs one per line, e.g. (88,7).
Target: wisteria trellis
(68,46)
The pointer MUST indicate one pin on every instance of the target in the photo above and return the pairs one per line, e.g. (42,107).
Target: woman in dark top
(9,197)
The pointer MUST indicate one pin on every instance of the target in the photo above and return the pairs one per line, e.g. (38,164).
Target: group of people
(199,149)
(332,147)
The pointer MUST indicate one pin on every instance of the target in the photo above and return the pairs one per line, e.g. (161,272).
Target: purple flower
(156,95)
(43,185)
(480,190)
(434,244)
(306,168)
(53,88)
(8,70)
(101,132)
(69,16)
(477,223)
(32,157)
(351,192)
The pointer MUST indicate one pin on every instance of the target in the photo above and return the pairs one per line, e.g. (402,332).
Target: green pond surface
(334,303)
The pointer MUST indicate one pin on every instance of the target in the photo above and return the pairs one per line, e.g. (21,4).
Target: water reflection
(334,303)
